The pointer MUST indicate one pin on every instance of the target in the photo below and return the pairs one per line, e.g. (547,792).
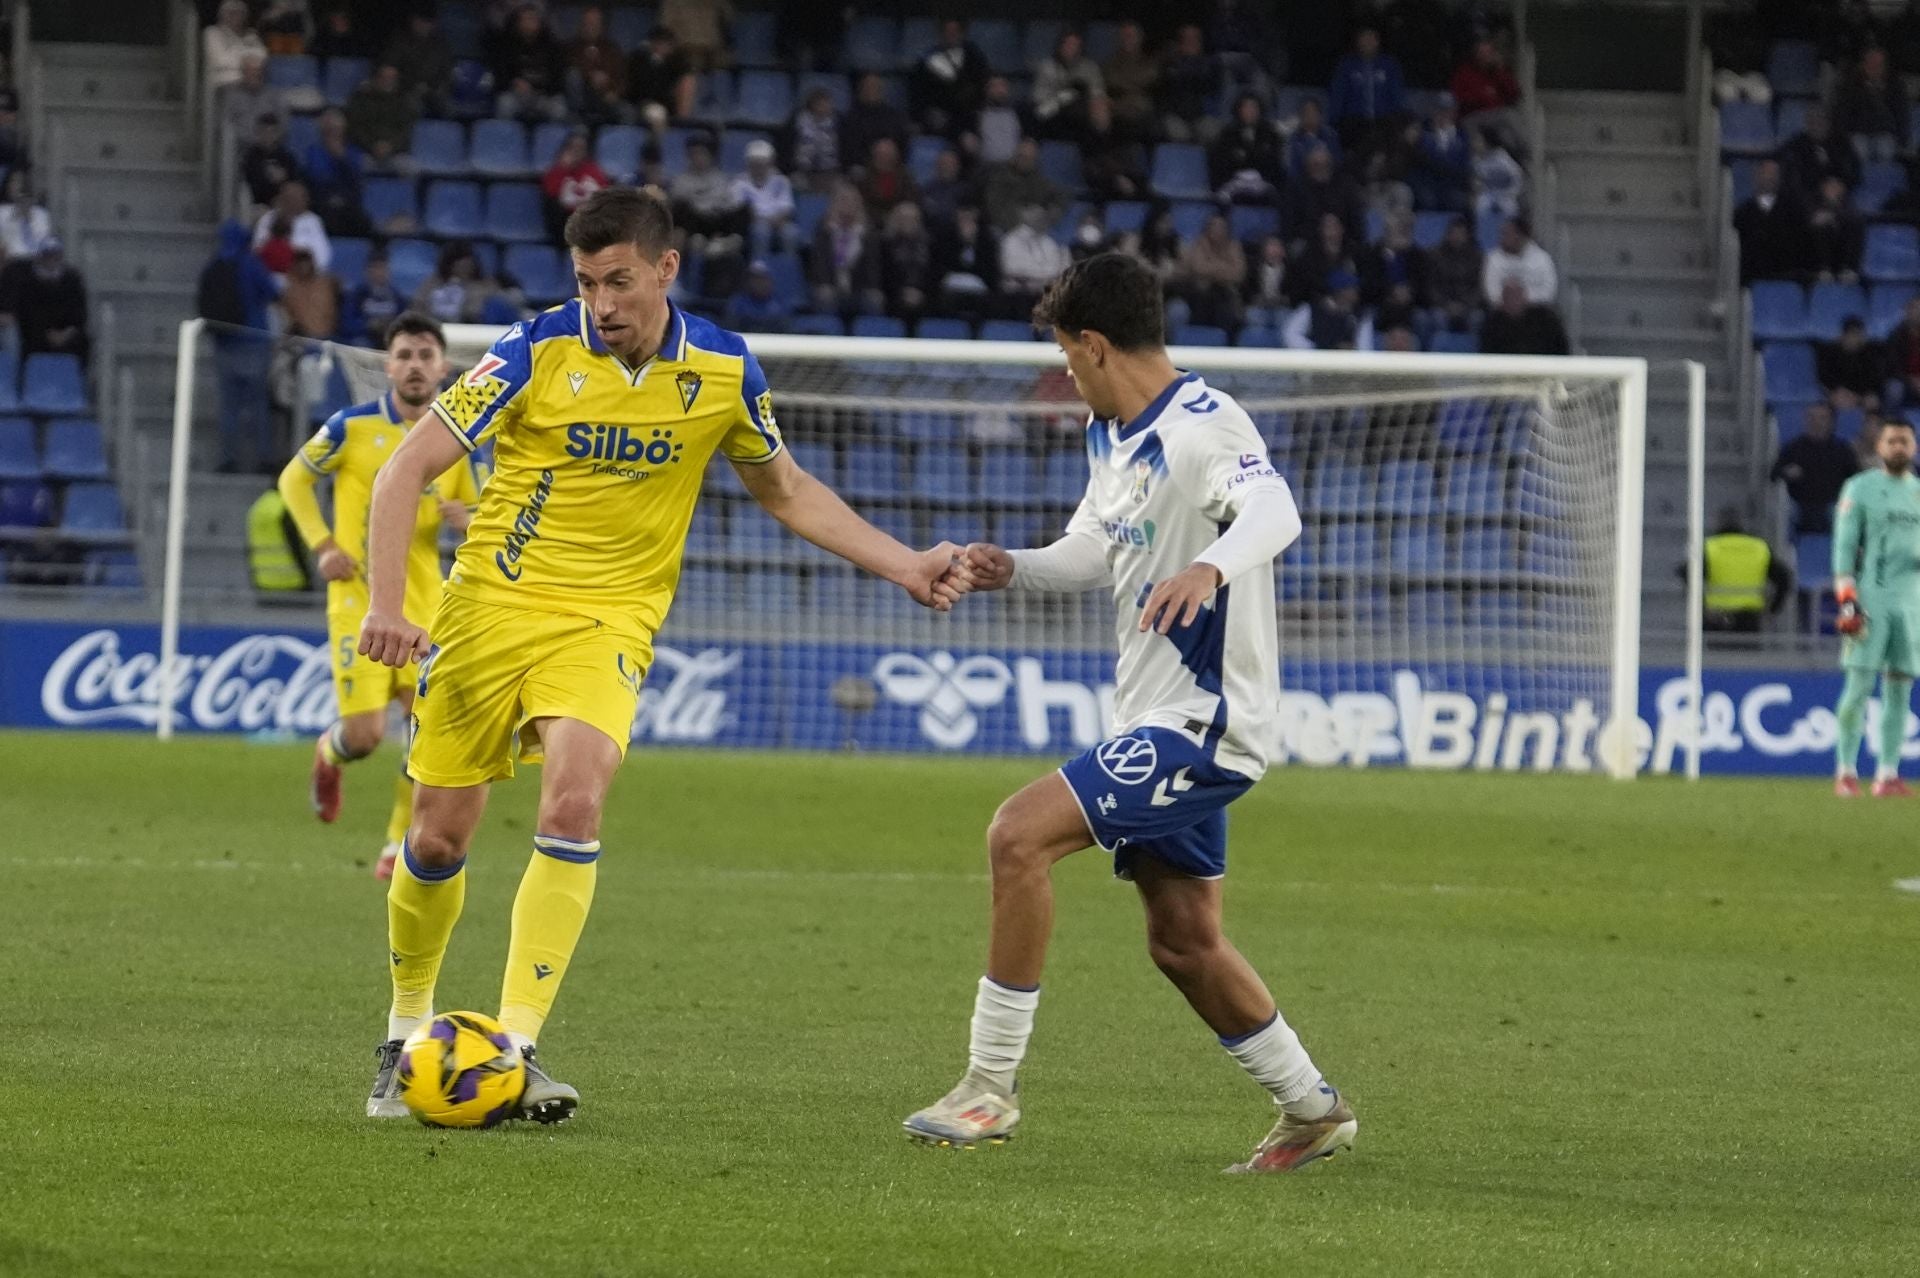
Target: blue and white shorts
(1153,792)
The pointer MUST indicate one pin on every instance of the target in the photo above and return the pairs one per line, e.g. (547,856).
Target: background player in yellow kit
(604,412)
(349,449)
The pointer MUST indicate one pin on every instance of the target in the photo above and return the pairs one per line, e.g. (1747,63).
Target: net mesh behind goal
(1451,601)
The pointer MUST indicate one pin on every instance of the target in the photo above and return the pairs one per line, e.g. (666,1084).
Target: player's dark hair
(1113,294)
(414,324)
(622,215)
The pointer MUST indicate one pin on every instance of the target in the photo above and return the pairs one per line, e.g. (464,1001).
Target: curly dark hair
(1112,294)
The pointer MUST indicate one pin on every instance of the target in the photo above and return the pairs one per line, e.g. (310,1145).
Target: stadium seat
(387,198)
(1847,423)
(948,329)
(1742,171)
(92,508)
(439,146)
(514,212)
(1448,342)
(789,279)
(1346,547)
(1252,223)
(942,472)
(753,36)
(878,326)
(1260,337)
(1004,330)
(1892,253)
(1064,477)
(1793,68)
(548,136)
(294,73)
(1199,335)
(350,256)
(1831,303)
(471,94)
(1069,220)
(1885,303)
(1487,229)
(1421,551)
(113,569)
(1880,181)
(1813,561)
(303,132)
(870,470)
(871,44)
(1407,488)
(1790,372)
(808,209)
(837,85)
(1124,216)
(1180,172)
(999,40)
(1789,117)
(1190,217)
(713,98)
(1473,488)
(342,77)
(1008,477)
(1340,489)
(25,504)
(817,326)
(453,210)
(53,384)
(75,449)
(542,270)
(763,98)
(619,150)
(19,450)
(673,150)
(1060,162)
(1430,228)
(733,147)
(410,262)
(499,149)
(1779,311)
(1102,38)
(1746,128)
(1550,554)
(1487,551)
(1037,40)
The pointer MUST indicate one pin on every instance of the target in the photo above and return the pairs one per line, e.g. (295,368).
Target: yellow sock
(402,816)
(422,907)
(548,913)
(330,746)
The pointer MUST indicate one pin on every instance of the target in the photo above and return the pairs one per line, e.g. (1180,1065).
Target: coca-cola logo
(681,701)
(271,682)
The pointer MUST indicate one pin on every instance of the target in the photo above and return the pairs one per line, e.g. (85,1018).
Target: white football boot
(975,1112)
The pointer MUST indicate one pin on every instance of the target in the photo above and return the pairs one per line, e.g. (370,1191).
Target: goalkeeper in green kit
(1876,569)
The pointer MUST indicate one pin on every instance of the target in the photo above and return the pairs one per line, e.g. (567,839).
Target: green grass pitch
(1587,1027)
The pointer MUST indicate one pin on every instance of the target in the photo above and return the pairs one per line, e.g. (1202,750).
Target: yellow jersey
(350,449)
(597,465)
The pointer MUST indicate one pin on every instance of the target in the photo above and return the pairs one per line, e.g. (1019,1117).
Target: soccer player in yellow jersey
(603,412)
(349,449)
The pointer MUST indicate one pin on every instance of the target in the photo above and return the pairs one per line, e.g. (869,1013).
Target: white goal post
(1465,514)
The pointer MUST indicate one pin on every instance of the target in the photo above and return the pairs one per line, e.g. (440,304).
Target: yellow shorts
(493,667)
(361,686)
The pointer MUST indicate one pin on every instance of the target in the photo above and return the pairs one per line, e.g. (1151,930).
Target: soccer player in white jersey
(1182,519)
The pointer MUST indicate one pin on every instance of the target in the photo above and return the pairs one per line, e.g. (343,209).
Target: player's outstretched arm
(297,483)
(935,578)
(386,635)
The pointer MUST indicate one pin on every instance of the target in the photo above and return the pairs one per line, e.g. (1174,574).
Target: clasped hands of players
(1175,601)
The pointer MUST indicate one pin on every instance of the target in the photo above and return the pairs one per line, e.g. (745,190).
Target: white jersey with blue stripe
(1163,487)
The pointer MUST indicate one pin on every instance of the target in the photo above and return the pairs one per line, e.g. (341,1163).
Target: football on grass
(461,1070)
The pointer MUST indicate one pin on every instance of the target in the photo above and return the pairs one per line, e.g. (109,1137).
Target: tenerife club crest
(688,384)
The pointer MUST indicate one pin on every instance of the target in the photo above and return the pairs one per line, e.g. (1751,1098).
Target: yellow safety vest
(270,560)
(1737,573)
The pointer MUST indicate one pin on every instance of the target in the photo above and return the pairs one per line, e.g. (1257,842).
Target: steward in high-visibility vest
(274,559)
(1744,581)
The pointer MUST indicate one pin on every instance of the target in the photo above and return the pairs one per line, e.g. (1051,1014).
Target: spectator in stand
(814,145)
(1015,185)
(1113,164)
(267,165)
(569,180)
(1089,238)
(528,69)
(702,28)
(285,26)
(871,118)
(24,222)
(596,75)
(1520,327)
(1852,369)
(1320,191)
(844,265)
(1772,228)
(380,117)
(1454,275)
(227,45)
(1329,253)
(371,304)
(1389,169)
(1132,75)
(1903,358)
(1029,259)
(1187,80)
(339,36)
(1312,133)
(47,300)
(1442,177)
(243,102)
(1213,271)
(906,262)
(458,290)
(757,308)
(310,300)
(1836,234)
(276,251)
(1499,181)
(966,262)
(1269,295)
(335,174)
(768,197)
(949,84)
(1814,466)
(1814,154)
(234,293)
(1246,48)
(1394,272)
(1000,128)
(13,147)
(1063,84)
(660,80)
(950,188)
(304,229)
(1487,95)
(1518,257)
(884,180)
(1851,31)
(1870,107)
(424,59)
(1368,95)
(1243,163)
(1332,322)
(705,203)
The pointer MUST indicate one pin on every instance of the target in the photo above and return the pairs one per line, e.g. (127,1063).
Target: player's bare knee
(570,812)
(362,733)
(434,849)
(1012,850)
(1183,948)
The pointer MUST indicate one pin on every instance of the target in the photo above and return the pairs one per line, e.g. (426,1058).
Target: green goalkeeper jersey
(1876,539)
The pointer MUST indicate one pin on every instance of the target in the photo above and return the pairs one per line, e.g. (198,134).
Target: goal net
(1465,593)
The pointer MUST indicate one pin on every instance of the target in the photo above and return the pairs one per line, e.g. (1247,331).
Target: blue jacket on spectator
(333,178)
(368,311)
(749,314)
(1370,89)
(1303,143)
(254,281)
(1443,174)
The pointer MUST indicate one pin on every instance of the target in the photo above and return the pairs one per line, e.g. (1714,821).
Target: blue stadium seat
(387,198)
(92,508)
(471,94)
(917,38)
(1790,371)
(1420,551)
(878,326)
(1789,117)
(836,84)
(999,40)
(753,35)
(547,139)
(409,263)
(1340,489)
(1847,423)
(499,149)
(673,150)
(870,470)
(543,271)
(1550,554)
(1037,40)
(1346,547)
(713,98)
(756,539)
(922,154)
(1880,181)
(350,256)
(439,146)
(789,279)
(1473,488)
(1793,68)
(1430,228)
(1830,303)
(1069,220)
(941,472)
(1487,229)
(1261,337)
(1779,311)
(303,132)
(1064,477)
(343,76)
(629,26)
(113,569)
(75,449)
(808,209)
(514,212)
(707,534)
(1190,217)
(871,44)
(1252,223)
(1742,171)
(957,330)
(19,450)
(733,147)
(1005,330)
(1448,342)
(1060,161)
(1199,335)
(1746,128)
(1892,253)
(619,149)
(763,98)
(1813,561)
(1487,550)
(1126,215)
(453,210)
(53,384)
(929,428)
(1008,477)
(817,326)
(1884,306)
(1102,38)
(1407,487)
(294,72)
(1180,171)
(25,504)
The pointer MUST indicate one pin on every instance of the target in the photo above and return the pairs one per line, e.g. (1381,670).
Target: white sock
(520,1041)
(402,1027)
(1887,772)
(1273,1055)
(1002,1024)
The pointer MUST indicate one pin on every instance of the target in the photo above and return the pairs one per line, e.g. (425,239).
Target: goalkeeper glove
(1852,619)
